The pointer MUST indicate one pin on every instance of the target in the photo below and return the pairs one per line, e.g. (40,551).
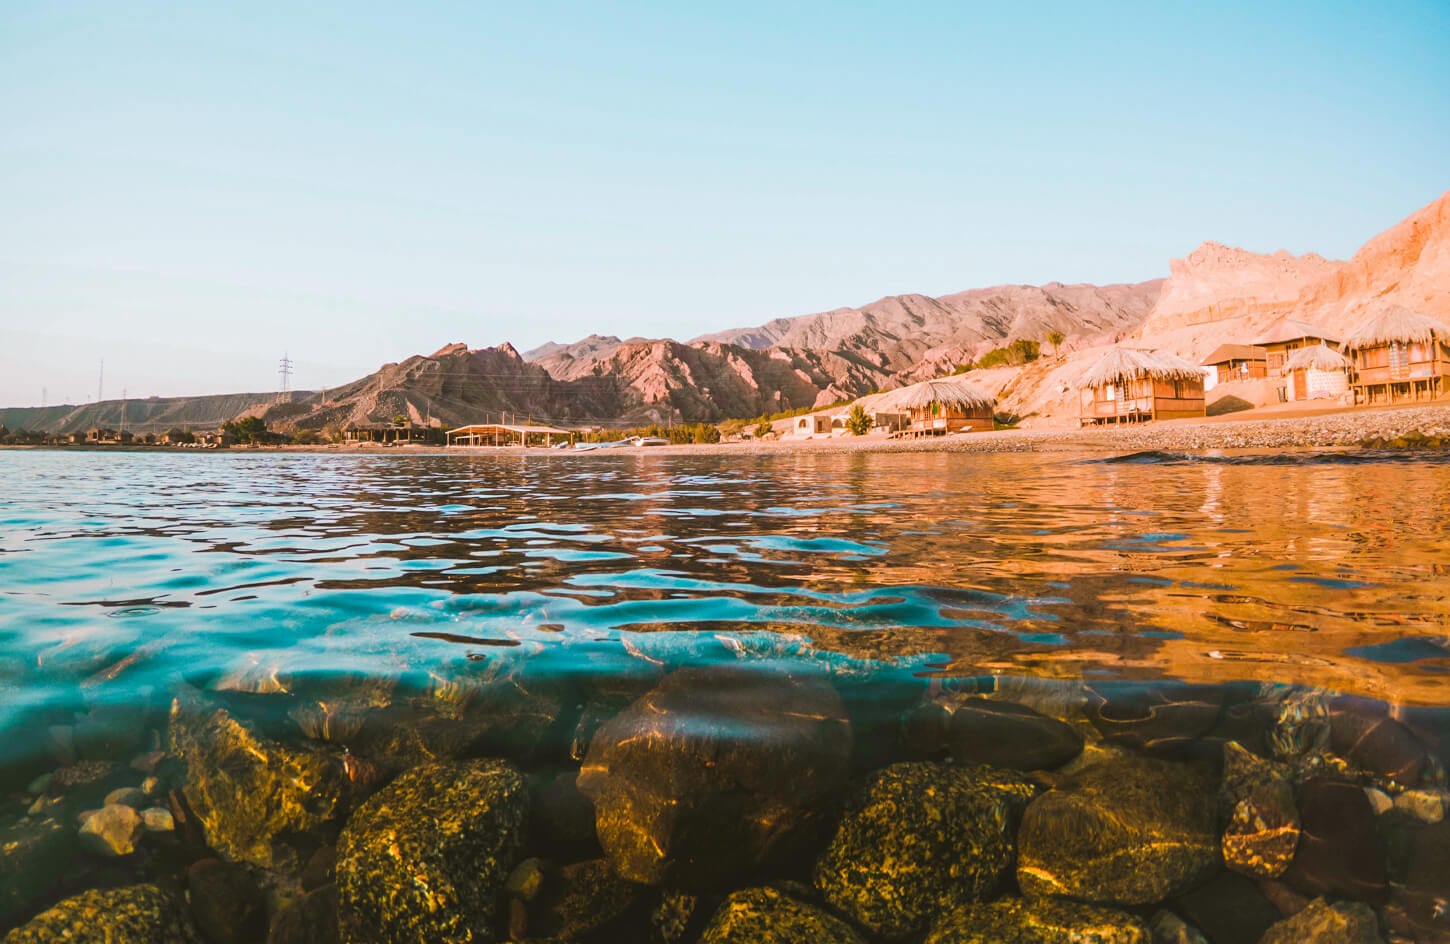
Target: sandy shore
(1279,428)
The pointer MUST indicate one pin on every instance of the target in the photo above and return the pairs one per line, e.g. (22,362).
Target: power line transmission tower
(284,367)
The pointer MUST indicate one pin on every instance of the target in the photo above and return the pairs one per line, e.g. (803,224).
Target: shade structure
(1316,357)
(1124,365)
(1395,324)
(948,392)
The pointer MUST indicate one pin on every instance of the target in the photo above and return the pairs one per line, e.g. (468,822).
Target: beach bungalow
(1398,354)
(811,425)
(1133,386)
(1316,372)
(1238,362)
(1288,335)
(939,407)
(507,434)
(389,434)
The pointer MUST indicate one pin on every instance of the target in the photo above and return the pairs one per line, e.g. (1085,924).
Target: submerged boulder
(715,771)
(1131,832)
(226,903)
(33,855)
(580,900)
(112,831)
(767,916)
(248,790)
(427,856)
(1342,922)
(1261,819)
(137,914)
(1040,921)
(918,839)
(1341,852)
(977,730)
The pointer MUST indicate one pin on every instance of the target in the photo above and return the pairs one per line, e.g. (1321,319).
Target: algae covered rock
(138,914)
(580,900)
(767,916)
(715,771)
(1343,922)
(1006,734)
(1132,831)
(1261,828)
(918,839)
(34,853)
(1041,921)
(248,790)
(427,856)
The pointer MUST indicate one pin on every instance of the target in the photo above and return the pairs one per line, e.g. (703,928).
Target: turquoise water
(123,573)
(369,615)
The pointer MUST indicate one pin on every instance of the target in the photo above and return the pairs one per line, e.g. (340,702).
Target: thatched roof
(1225,353)
(1126,364)
(1316,357)
(1396,324)
(948,391)
(1292,329)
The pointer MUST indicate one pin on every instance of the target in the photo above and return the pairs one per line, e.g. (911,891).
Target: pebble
(126,796)
(1426,805)
(158,819)
(1379,801)
(525,880)
(113,831)
(151,786)
(39,785)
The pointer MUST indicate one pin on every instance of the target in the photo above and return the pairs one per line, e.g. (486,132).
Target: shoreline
(1324,429)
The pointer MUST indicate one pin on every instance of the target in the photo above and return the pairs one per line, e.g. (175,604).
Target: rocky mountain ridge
(1216,294)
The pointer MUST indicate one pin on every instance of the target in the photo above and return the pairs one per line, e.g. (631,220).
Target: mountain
(916,335)
(152,414)
(1240,292)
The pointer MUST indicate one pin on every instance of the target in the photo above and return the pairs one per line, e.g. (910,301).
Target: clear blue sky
(189,190)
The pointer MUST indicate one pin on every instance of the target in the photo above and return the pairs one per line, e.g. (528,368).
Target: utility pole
(101,380)
(284,367)
(44,396)
(123,411)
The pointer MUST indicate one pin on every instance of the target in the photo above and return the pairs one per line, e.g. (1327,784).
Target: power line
(284,367)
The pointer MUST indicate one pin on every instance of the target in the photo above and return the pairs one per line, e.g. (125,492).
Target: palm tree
(1055,338)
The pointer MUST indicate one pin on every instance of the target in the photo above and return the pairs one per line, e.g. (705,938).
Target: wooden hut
(1316,372)
(1286,336)
(1132,386)
(1398,354)
(1238,362)
(939,407)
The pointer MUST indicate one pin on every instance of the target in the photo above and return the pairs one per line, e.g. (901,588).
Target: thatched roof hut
(1123,365)
(946,391)
(1316,357)
(1395,325)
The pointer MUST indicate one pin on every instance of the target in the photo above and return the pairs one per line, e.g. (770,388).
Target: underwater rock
(247,790)
(1340,850)
(1424,894)
(1133,831)
(1362,732)
(112,831)
(767,916)
(225,902)
(561,813)
(1298,725)
(1168,928)
(1342,922)
(126,796)
(671,917)
(715,771)
(1428,806)
(1158,716)
(1228,907)
(320,870)
(580,900)
(1262,823)
(137,914)
(426,857)
(109,732)
(158,819)
(311,919)
(33,855)
(1005,734)
(1039,921)
(918,839)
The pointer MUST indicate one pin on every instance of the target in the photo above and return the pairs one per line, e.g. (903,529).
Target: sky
(189,192)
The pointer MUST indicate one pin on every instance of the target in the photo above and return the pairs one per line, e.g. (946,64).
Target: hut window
(1398,359)
(1417,352)
(1111,392)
